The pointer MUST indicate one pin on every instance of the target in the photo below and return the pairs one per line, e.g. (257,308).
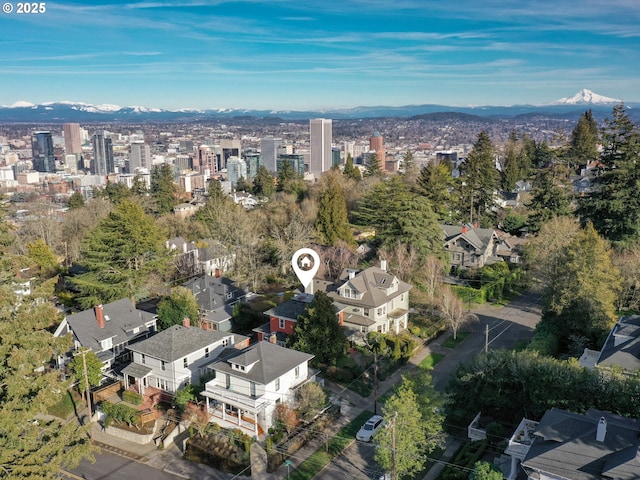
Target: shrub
(132,397)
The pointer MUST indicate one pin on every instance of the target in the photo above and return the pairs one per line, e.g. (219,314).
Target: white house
(248,384)
(372,300)
(176,356)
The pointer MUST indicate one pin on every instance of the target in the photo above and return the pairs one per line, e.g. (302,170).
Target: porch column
(142,386)
(224,411)
(239,417)
(514,468)
(255,423)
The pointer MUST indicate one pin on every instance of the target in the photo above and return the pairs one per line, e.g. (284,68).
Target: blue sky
(283,54)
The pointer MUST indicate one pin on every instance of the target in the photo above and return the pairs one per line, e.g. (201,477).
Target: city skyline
(314,55)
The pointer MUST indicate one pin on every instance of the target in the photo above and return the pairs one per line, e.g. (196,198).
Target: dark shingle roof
(269,361)
(566,446)
(177,342)
(372,283)
(121,318)
(211,292)
(627,353)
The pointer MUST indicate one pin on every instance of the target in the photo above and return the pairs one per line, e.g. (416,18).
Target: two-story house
(283,319)
(108,329)
(176,356)
(372,300)
(470,247)
(248,384)
(216,297)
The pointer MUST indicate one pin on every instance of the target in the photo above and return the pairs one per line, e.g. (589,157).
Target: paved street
(507,326)
(110,465)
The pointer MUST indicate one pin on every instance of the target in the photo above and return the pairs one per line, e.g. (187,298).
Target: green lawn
(430,361)
(318,460)
(66,406)
(451,343)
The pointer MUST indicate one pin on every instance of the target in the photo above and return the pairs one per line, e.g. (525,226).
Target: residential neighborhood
(474,304)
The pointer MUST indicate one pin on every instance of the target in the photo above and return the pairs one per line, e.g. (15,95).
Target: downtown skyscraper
(42,151)
(102,163)
(320,130)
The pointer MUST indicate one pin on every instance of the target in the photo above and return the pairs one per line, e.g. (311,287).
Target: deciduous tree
(94,369)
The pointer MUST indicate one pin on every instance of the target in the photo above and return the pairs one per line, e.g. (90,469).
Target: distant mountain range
(55,112)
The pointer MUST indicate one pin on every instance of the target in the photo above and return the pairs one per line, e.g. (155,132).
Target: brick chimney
(186,322)
(464,229)
(99,315)
(475,225)
(218,273)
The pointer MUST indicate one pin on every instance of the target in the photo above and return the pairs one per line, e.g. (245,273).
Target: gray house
(108,329)
(621,349)
(216,297)
(469,246)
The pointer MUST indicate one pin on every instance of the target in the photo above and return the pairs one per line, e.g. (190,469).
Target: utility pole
(84,352)
(486,338)
(393,447)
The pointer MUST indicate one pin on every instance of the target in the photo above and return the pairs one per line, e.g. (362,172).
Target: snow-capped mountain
(65,111)
(585,96)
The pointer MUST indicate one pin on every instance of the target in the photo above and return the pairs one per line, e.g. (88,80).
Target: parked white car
(369,429)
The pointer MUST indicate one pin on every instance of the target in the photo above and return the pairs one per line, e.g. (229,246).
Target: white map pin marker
(305,263)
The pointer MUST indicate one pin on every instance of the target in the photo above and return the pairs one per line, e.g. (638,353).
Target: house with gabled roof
(283,319)
(470,247)
(594,446)
(248,384)
(108,329)
(621,349)
(372,300)
(216,297)
(176,356)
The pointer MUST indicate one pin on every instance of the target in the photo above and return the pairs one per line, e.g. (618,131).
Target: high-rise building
(269,152)
(376,144)
(253,160)
(42,149)
(236,169)
(206,161)
(320,130)
(296,160)
(72,139)
(230,148)
(140,157)
(102,163)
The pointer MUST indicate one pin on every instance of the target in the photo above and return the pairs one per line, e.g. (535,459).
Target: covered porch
(245,414)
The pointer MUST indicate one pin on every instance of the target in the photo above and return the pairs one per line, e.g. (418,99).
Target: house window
(162,365)
(142,360)
(366,312)
(297,371)
(185,362)
(277,384)
(252,388)
(228,382)
(229,295)
(206,352)
(282,323)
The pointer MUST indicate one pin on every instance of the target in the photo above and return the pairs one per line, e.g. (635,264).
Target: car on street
(369,429)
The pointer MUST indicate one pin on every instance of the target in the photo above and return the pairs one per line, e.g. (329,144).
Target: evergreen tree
(480,177)
(120,254)
(614,205)
(350,170)
(511,170)
(409,168)
(436,184)
(551,196)
(583,147)
(33,445)
(263,183)
(163,189)
(319,333)
(181,304)
(331,222)
(114,192)
(401,216)
(76,200)
(372,167)
(287,177)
